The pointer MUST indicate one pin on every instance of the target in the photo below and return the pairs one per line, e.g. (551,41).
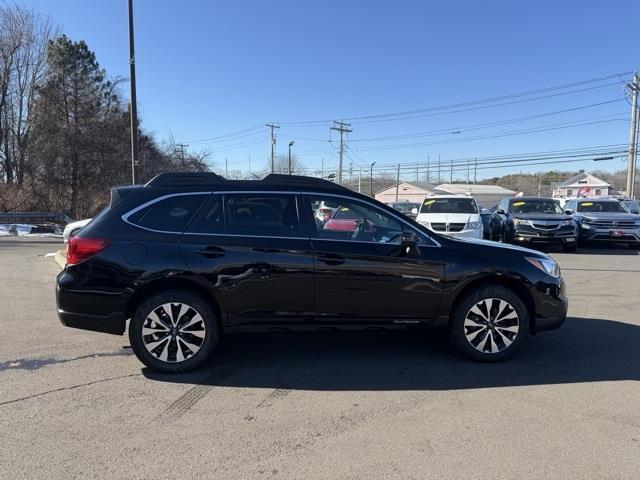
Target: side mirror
(500,211)
(414,211)
(568,211)
(409,239)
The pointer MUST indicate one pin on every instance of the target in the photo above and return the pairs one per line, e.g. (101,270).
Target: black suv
(534,220)
(188,257)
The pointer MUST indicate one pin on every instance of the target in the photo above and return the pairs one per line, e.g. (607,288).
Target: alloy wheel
(173,332)
(491,325)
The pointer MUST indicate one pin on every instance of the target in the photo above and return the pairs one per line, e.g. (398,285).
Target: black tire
(176,348)
(481,352)
(569,248)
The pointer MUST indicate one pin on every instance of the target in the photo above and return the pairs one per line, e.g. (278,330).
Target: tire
(569,248)
(175,339)
(469,334)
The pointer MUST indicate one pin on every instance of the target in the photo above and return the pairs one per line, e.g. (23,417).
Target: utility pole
(417,172)
(451,173)
(539,183)
(322,169)
(226,167)
(359,180)
(371,180)
(180,147)
(633,136)
(475,170)
(273,146)
(468,167)
(341,127)
(133,106)
(439,165)
(428,169)
(398,183)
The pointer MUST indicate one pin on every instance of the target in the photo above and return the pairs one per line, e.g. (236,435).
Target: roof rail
(185,179)
(210,179)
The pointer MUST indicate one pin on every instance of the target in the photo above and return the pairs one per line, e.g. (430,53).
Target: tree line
(64,128)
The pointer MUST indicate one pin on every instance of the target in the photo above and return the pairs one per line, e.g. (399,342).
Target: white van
(456,215)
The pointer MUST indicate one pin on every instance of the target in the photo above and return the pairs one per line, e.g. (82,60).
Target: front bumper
(464,233)
(551,304)
(529,234)
(590,233)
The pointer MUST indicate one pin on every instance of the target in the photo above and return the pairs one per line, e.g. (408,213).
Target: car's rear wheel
(173,331)
(489,324)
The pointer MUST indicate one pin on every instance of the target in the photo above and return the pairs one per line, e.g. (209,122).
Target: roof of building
(473,189)
(590,180)
(427,187)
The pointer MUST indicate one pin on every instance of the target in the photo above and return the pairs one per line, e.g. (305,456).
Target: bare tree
(281,165)
(24,36)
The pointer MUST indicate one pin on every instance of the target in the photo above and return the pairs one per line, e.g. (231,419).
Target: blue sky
(209,68)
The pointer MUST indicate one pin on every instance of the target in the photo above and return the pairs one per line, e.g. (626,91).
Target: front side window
(170,214)
(270,215)
(449,205)
(356,221)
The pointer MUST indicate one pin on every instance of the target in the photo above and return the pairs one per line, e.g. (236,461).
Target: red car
(343,219)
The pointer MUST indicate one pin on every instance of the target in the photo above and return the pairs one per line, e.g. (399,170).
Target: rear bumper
(113,323)
(88,309)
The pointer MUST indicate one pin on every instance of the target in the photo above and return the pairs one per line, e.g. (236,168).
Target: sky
(211,73)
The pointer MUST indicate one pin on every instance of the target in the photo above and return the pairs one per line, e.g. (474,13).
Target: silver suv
(605,220)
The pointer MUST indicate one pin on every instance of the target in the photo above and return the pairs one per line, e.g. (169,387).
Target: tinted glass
(535,206)
(616,207)
(170,215)
(272,215)
(449,205)
(211,217)
(357,221)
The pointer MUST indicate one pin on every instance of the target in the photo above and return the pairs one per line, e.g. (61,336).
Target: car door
(362,272)
(257,256)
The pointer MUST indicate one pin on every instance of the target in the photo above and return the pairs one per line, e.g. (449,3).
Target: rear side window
(273,215)
(168,215)
(210,219)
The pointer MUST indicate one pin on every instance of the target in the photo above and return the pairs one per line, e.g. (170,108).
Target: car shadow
(583,350)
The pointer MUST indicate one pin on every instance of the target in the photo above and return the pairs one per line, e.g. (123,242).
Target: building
(487,196)
(410,192)
(583,184)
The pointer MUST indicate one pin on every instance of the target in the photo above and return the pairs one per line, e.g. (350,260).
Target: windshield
(535,206)
(405,207)
(449,205)
(616,207)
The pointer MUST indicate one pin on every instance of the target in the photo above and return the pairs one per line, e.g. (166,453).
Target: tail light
(79,249)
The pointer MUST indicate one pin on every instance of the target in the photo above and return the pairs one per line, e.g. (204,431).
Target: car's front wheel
(173,331)
(489,323)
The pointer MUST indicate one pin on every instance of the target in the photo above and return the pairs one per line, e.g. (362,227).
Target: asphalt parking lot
(77,404)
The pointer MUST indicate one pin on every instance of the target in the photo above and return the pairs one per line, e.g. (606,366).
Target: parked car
(344,219)
(486,215)
(325,210)
(406,208)
(456,215)
(605,220)
(534,220)
(72,229)
(189,257)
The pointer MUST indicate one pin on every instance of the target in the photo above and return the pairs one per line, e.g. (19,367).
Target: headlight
(517,221)
(547,265)
(567,222)
(588,220)
(474,225)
